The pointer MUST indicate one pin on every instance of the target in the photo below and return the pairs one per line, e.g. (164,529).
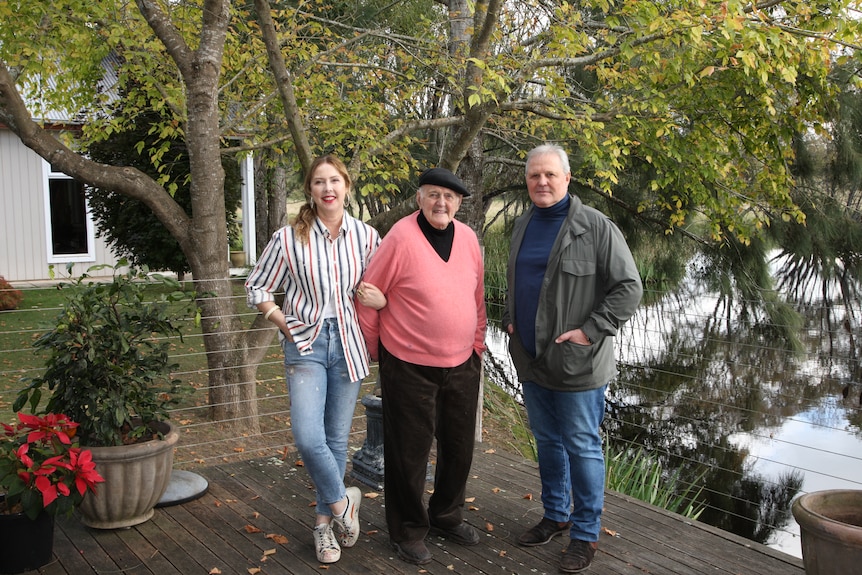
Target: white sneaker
(327,547)
(347,524)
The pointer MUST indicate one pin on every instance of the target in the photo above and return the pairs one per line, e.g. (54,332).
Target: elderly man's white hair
(549,149)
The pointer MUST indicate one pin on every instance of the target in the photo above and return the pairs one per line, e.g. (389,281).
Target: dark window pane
(68,217)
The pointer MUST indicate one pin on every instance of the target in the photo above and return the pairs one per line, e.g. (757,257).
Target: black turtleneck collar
(440,240)
(560,209)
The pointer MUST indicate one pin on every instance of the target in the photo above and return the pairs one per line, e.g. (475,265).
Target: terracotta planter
(237,259)
(831,527)
(136,477)
(27,543)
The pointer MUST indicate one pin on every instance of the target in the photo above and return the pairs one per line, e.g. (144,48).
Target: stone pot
(27,543)
(831,528)
(136,477)
(237,259)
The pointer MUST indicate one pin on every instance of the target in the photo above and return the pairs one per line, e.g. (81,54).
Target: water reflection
(723,401)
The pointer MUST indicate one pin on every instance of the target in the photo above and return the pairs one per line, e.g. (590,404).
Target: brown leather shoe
(542,532)
(413,552)
(463,533)
(578,556)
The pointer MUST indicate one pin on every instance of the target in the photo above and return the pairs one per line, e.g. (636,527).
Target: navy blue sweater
(531,264)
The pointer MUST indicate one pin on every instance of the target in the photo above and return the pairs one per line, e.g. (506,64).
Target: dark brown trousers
(421,403)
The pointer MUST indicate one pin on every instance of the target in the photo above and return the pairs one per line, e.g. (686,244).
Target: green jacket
(591,283)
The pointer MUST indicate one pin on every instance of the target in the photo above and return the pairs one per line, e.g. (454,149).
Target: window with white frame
(68,223)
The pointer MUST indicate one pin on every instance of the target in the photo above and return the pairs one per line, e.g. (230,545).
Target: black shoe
(543,532)
(413,552)
(463,533)
(578,556)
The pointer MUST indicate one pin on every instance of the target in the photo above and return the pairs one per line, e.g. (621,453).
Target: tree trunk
(231,390)
(472,169)
(270,197)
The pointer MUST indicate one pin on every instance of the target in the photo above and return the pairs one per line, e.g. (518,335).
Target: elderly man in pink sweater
(428,341)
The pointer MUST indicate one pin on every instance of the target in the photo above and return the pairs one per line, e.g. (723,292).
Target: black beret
(444,178)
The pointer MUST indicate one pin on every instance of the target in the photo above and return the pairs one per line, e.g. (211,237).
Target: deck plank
(258,514)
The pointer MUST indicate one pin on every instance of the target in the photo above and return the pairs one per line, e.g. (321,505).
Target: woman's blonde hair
(308,212)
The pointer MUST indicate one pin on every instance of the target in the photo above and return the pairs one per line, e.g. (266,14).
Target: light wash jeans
(566,425)
(322,402)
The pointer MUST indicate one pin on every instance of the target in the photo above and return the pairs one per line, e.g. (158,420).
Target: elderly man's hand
(370,295)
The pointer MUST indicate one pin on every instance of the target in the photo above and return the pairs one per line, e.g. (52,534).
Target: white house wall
(24,250)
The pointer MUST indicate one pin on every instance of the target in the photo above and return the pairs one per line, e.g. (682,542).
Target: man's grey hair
(549,149)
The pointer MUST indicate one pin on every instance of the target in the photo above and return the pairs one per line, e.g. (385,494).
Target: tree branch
(128,181)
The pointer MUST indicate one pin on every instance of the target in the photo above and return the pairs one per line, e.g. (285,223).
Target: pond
(708,388)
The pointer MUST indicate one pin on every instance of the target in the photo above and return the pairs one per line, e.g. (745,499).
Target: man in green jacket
(572,282)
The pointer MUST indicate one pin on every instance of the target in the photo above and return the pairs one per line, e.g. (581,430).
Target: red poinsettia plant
(42,468)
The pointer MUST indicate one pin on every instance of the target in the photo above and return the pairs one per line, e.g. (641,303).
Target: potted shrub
(237,253)
(108,369)
(43,473)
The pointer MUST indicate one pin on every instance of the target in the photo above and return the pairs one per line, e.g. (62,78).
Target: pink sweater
(435,310)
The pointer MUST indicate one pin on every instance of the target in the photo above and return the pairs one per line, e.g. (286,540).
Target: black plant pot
(28,543)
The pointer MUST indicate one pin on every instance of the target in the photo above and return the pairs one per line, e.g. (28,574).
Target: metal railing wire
(689,396)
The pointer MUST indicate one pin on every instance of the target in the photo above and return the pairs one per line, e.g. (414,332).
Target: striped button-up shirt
(309,274)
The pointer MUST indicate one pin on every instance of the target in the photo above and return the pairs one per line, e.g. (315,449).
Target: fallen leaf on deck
(280,539)
(496,490)
(215,571)
(502,553)
(473,508)
(251,529)
(256,514)
(239,449)
(470,499)
(217,503)
(489,526)
(609,531)
(268,552)
(299,463)
(253,570)
(491,451)
(528,496)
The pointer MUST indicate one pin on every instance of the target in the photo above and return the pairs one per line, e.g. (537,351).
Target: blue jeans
(566,425)
(322,403)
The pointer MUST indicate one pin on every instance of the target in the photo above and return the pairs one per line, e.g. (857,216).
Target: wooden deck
(256,518)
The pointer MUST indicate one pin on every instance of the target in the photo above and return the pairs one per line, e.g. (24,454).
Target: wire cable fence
(720,402)
(744,412)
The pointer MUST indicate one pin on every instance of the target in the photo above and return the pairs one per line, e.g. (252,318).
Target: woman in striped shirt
(318,262)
